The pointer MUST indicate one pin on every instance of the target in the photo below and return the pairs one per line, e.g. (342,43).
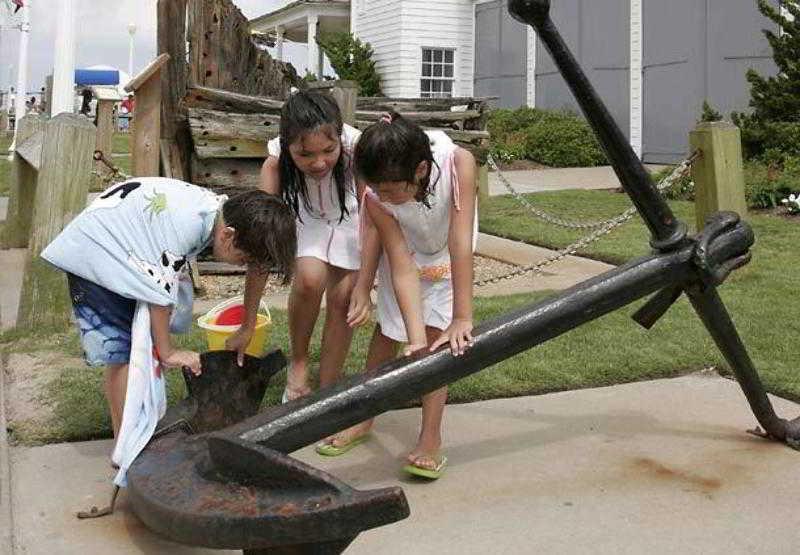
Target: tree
(778,98)
(352,60)
(775,120)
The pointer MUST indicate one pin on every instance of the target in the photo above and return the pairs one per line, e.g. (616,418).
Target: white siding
(378,23)
(399,29)
(438,24)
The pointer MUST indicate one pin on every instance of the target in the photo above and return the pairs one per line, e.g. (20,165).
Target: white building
(654,62)
(421,48)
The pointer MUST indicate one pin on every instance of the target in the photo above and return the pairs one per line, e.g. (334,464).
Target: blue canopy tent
(86,77)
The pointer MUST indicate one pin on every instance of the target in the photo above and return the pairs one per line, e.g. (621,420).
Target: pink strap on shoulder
(362,207)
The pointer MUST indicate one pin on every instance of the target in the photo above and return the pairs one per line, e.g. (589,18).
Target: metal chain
(549,218)
(608,227)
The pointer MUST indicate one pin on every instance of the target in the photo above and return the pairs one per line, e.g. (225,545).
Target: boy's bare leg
(116,384)
(426,453)
(337,335)
(381,349)
(311,276)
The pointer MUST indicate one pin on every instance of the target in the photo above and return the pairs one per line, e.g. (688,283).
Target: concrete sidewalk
(533,181)
(653,467)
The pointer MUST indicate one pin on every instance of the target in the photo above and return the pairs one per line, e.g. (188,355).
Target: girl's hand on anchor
(458,334)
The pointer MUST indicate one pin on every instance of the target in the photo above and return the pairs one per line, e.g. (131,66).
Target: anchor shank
(667,232)
(304,421)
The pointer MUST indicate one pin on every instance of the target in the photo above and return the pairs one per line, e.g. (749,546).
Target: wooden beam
(216,99)
(174,127)
(216,172)
(105,132)
(23,187)
(61,189)
(31,150)
(152,68)
(229,135)
(428,117)
(147,123)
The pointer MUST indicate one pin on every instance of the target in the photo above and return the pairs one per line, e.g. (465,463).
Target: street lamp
(131,32)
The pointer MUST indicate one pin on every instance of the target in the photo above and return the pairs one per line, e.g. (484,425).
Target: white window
(438,66)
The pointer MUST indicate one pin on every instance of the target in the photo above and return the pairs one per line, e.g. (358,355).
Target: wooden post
(23,186)
(483,188)
(147,118)
(48,95)
(718,174)
(346,95)
(105,133)
(63,183)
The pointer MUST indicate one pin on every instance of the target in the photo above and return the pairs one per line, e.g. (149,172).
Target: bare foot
(426,454)
(296,383)
(349,435)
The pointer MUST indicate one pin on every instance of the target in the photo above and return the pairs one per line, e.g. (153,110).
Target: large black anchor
(211,480)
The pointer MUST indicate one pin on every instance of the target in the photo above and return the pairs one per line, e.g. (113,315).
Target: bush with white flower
(792,203)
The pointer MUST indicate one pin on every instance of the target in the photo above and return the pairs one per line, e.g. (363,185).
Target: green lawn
(761,297)
(5,165)
(608,351)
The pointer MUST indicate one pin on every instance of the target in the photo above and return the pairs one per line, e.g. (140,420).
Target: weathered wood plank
(213,124)
(230,148)
(174,127)
(455,134)
(226,101)
(31,150)
(384,104)
(146,73)
(427,118)
(105,133)
(224,56)
(344,92)
(61,189)
(214,172)
(23,188)
(147,128)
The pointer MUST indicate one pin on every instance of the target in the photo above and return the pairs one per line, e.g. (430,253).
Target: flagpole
(64,68)
(22,72)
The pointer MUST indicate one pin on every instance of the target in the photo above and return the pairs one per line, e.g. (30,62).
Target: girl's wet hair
(390,150)
(305,112)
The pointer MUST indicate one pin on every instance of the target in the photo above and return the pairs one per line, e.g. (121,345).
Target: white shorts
(330,241)
(437,304)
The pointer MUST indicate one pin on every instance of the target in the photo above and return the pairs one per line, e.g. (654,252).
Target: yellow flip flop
(329,450)
(430,474)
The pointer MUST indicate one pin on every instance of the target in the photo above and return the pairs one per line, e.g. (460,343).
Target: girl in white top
(311,166)
(419,210)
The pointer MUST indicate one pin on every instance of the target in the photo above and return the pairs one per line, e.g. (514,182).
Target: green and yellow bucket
(231,312)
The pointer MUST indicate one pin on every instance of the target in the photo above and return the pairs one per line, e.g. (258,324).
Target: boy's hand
(360,307)
(458,334)
(238,342)
(181,359)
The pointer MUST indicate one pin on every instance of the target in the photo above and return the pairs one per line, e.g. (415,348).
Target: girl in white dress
(418,219)
(310,165)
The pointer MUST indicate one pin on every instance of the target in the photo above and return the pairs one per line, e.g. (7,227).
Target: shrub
(766,184)
(352,59)
(552,138)
(563,140)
